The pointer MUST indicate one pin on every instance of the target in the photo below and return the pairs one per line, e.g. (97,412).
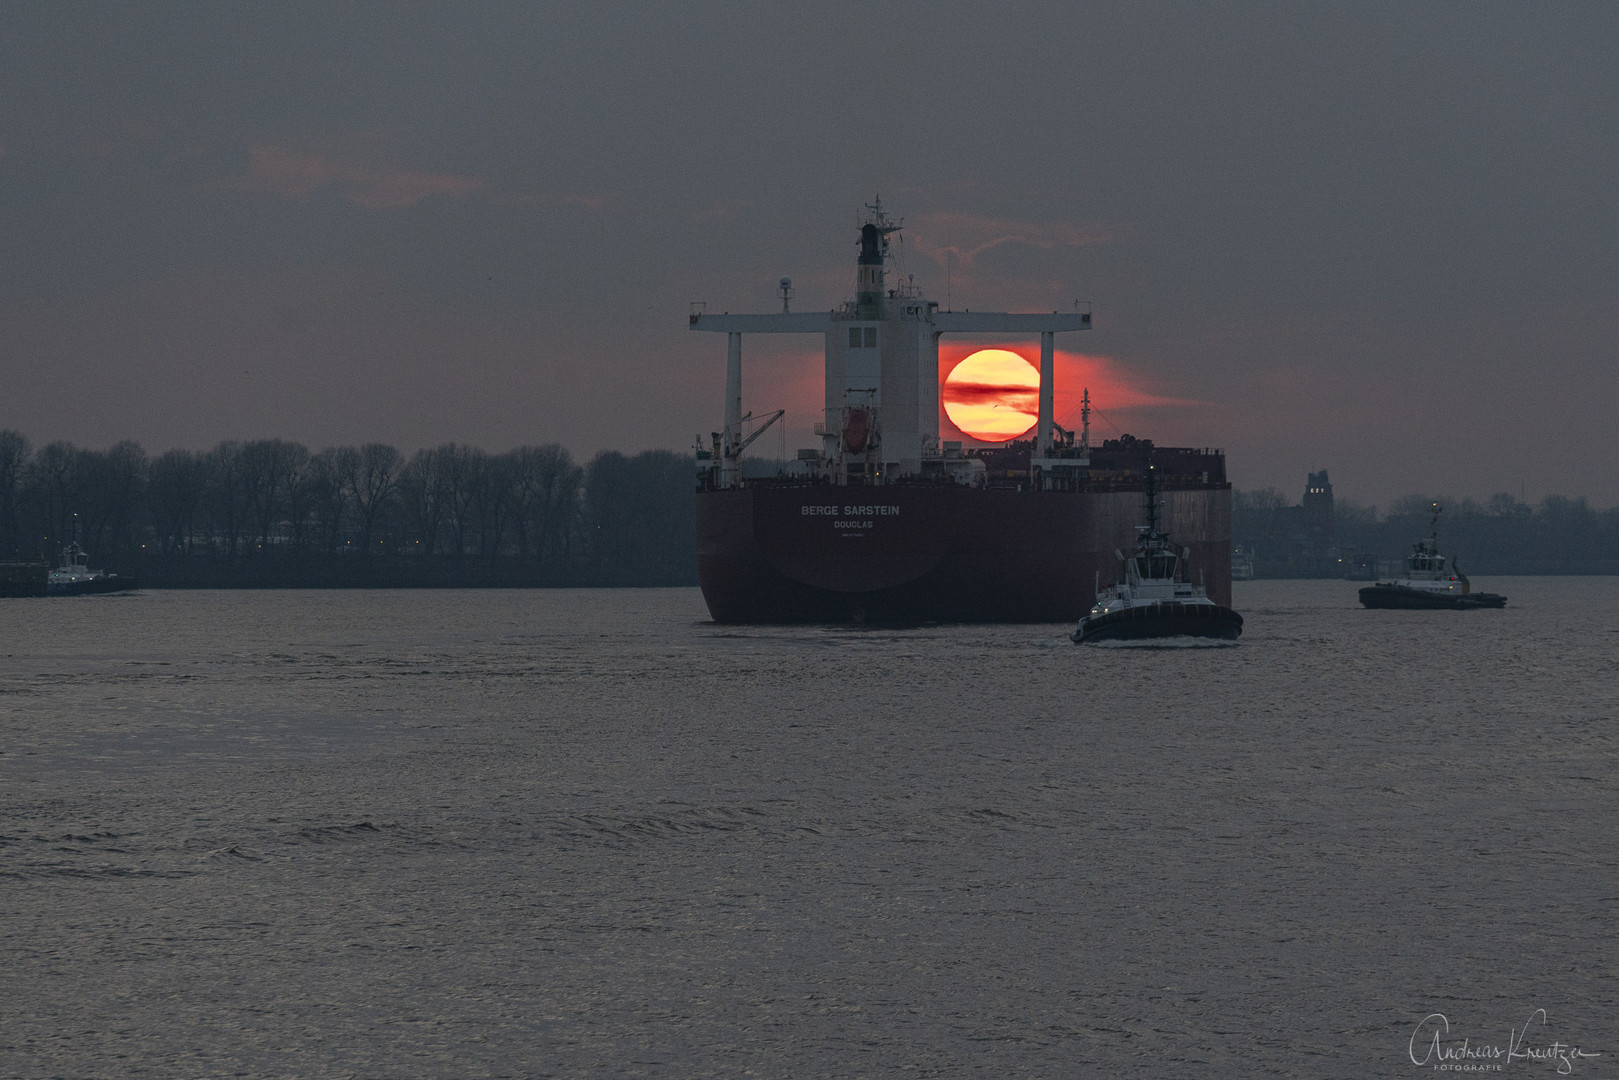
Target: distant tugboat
(1152,601)
(1426,584)
(73,577)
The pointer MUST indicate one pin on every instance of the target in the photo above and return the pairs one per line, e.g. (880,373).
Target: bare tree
(90,499)
(225,499)
(372,485)
(303,502)
(49,491)
(545,498)
(178,479)
(330,474)
(124,474)
(459,467)
(491,501)
(269,468)
(14,454)
(421,489)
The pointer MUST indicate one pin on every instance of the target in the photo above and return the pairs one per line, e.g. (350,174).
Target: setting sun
(993,395)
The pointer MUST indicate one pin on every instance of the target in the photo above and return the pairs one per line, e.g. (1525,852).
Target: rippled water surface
(589,833)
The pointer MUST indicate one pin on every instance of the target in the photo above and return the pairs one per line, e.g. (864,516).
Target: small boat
(73,576)
(1152,601)
(1426,584)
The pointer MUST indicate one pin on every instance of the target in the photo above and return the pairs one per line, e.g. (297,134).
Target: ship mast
(868,303)
(1152,500)
(1085,425)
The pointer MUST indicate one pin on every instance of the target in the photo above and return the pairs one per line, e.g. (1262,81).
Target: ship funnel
(873,254)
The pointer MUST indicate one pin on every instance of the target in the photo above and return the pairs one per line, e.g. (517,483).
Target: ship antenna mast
(1152,500)
(1085,424)
(1434,527)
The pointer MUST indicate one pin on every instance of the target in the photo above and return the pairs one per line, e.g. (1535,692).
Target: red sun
(993,395)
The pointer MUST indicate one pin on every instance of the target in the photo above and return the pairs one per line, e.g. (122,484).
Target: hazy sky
(1381,239)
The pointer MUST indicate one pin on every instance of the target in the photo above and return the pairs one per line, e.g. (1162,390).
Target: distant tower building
(1317,508)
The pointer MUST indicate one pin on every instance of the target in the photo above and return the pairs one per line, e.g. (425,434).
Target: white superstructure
(881,420)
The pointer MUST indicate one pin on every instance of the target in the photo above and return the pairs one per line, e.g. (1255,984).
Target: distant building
(1291,541)
(1317,507)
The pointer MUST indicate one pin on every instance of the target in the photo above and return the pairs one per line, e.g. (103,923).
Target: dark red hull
(924,553)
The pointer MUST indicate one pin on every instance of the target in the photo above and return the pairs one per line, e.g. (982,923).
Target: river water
(589,833)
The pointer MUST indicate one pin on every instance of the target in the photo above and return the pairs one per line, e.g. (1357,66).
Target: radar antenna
(878,218)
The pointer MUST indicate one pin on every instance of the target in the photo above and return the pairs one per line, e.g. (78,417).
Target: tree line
(270,511)
(1498,535)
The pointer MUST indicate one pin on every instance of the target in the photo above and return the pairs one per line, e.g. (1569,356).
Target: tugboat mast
(1152,501)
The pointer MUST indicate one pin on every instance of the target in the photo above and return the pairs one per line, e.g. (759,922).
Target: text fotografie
(1450,1055)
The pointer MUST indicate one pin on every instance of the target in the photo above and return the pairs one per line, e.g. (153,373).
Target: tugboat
(73,576)
(1426,584)
(1152,601)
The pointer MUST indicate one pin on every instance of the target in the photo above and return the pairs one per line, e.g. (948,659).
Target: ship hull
(97,586)
(905,554)
(1161,621)
(1399,597)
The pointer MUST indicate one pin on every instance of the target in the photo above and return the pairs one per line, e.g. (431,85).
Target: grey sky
(1380,239)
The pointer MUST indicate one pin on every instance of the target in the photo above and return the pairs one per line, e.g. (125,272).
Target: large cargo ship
(883,522)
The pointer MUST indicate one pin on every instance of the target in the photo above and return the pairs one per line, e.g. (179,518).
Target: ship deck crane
(733,449)
(736,451)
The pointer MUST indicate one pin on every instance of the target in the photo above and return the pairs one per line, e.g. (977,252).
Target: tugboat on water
(1152,601)
(1426,584)
(73,576)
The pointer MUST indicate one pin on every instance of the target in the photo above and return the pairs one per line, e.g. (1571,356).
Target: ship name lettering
(817,510)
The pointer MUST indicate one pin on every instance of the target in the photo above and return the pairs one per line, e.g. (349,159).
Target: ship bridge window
(1156,566)
(862,337)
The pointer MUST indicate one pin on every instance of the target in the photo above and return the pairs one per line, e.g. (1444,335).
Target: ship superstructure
(883,521)
(881,421)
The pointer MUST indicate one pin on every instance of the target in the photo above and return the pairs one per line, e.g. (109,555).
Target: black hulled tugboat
(1153,601)
(73,577)
(1426,584)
